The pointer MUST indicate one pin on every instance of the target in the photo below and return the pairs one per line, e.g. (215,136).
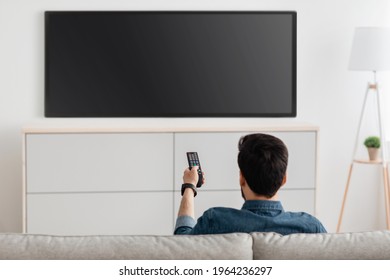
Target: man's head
(262,159)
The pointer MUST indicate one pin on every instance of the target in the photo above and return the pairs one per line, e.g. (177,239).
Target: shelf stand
(370,87)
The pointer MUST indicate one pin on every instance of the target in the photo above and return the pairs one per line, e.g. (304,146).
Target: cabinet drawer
(100,213)
(218,156)
(99,162)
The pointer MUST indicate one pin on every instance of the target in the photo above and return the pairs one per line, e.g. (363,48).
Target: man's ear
(242,180)
(284,179)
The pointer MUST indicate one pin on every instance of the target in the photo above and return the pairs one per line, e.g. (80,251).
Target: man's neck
(248,194)
(261,197)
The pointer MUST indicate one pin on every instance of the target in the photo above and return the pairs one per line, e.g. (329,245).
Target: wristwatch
(185,186)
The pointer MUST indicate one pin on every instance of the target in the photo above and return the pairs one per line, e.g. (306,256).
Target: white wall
(328,95)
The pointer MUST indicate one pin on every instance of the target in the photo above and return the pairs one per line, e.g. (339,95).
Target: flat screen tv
(170,64)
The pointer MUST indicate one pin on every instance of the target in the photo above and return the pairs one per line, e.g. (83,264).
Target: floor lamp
(371,52)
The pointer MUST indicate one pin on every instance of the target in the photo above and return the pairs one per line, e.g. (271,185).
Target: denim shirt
(255,216)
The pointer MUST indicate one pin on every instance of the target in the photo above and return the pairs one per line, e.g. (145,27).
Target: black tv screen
(170,64)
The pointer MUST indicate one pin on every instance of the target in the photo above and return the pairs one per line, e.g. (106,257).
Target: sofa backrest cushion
(327,246)
(226,246)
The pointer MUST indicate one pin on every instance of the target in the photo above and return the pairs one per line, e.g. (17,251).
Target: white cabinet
(100,213)
(124,181)
(218,156)
(76,162)
(99,183)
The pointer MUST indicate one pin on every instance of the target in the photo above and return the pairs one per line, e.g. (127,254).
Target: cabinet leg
(386,185)
(345,198)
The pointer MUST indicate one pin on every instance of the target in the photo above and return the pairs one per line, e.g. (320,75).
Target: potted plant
(372,143)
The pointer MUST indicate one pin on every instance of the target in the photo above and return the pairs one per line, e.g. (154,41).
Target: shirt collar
(262,204)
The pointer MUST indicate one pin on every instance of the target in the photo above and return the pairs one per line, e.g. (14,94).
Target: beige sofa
(363,245)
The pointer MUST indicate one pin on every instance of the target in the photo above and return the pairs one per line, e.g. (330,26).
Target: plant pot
(373,153)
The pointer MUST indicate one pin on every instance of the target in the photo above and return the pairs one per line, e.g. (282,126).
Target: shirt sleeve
(321,228)
(184,225)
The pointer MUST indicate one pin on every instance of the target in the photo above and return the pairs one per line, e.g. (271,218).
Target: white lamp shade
(370,49)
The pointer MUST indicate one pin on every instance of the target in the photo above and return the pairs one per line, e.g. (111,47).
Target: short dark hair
(263,159)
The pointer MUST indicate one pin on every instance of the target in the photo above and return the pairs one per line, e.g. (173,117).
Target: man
(262,160)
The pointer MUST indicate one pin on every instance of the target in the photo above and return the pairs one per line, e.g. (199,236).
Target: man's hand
(191,176)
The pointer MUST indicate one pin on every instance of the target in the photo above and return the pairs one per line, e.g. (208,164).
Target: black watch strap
(186,186)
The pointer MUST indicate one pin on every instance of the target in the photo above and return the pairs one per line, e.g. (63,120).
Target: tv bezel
(292,114)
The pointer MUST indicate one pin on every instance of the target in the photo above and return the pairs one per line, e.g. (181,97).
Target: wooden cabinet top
(165,125)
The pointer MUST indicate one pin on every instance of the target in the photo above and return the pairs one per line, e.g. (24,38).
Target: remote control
(193,160)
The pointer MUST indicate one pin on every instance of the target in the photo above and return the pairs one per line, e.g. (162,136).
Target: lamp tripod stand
(371,87)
